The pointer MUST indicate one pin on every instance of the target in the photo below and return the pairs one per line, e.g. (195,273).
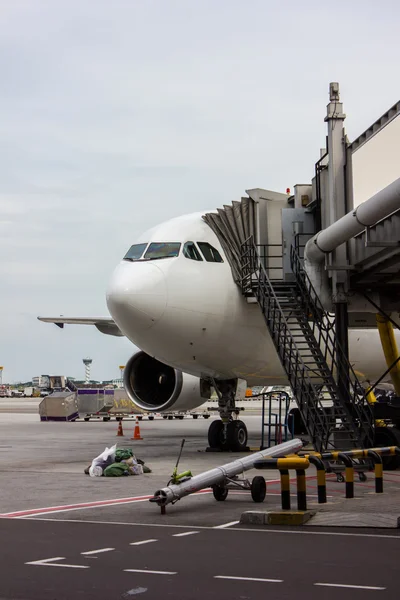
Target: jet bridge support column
(342,340)
(336,209)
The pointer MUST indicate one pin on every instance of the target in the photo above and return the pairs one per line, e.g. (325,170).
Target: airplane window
(162,250)
(135,252)
(210,253)
(190,251)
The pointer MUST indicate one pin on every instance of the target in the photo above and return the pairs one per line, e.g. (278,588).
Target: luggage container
(61,406)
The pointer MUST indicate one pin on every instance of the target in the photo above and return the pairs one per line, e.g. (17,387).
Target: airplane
(174,296)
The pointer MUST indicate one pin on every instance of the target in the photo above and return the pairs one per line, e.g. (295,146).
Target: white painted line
(150,572)
(98,551)
(185,533)
(142,542)
(248,579)
(353,587)
(49,562)
(263,531)
(225,525)
(46,560)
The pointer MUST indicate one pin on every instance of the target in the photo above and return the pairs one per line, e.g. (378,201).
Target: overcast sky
(116,115)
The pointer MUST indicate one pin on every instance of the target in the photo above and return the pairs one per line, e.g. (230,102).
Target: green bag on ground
(123,454)
(116,470)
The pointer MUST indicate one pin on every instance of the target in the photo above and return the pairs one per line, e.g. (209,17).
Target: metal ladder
(303,335)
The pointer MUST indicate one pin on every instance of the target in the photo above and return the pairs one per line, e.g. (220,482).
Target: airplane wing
(105,325)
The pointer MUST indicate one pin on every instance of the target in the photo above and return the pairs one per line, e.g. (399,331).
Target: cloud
(117,116)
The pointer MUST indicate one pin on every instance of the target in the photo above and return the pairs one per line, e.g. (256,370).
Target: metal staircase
(304,338)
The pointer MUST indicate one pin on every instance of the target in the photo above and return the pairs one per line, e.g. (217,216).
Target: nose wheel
(228,437)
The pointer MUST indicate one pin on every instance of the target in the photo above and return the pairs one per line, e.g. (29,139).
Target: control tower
(87,362)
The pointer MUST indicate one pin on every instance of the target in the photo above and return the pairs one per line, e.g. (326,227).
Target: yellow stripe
(285,483)
(293,463)
(389,348)
(349,475)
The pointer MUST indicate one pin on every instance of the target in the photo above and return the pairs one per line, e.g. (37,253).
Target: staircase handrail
(250,250)
(309,295)
(253,265)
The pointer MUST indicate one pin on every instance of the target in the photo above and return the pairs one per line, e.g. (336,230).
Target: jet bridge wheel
(258,489)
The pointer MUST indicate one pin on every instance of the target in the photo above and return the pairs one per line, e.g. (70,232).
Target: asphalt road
(50,560)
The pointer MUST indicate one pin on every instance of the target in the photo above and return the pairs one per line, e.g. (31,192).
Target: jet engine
(156,387)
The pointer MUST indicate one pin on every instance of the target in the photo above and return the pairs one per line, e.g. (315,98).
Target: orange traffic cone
(136,432)
(120,432)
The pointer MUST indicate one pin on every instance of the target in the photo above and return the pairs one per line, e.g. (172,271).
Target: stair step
(305,365)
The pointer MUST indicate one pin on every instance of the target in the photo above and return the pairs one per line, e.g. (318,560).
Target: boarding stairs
(303,334)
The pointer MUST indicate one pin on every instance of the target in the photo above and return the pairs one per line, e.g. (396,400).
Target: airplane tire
(388,436)
(215,434)
(219,492)
(258,489)
(295,422)
(237,436)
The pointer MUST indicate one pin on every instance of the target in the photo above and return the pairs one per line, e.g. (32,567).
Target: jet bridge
(308,307)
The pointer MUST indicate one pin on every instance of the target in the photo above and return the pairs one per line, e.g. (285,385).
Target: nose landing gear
(231,436)
(227,434)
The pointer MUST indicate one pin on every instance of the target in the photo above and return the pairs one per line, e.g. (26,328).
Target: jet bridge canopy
(258,216)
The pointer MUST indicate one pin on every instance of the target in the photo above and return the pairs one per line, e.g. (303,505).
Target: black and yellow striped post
(321,477)
(349,469)
(283,465)
(301,489)
(376,455)
(285,489)
(349,474)
(378,467)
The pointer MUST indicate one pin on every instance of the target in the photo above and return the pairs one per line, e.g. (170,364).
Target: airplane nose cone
(136,296)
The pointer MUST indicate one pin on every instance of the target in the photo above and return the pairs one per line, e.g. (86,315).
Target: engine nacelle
(155,387)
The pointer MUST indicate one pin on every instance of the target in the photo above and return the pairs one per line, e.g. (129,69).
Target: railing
(319,425)
(306,394)
(322,326)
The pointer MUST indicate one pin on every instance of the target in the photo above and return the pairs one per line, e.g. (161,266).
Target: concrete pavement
(57,560)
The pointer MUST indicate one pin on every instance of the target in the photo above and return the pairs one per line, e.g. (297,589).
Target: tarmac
(42,464)
(67,535)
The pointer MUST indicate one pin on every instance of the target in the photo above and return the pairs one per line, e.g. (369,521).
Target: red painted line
(83,505)
(100,503)
(50,509)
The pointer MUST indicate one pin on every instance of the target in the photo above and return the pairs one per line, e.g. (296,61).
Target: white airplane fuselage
(191,315)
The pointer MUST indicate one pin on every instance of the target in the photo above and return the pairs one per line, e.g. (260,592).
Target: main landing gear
(227,434)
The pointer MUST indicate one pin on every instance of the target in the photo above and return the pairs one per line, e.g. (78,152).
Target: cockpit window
(190,251)
(135,252)
(162,250)
(210,253)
